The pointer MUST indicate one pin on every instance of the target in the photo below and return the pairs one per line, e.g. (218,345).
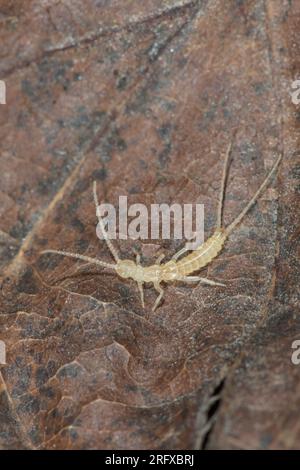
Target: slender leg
(140,284)
(112,249)
(183,250)
(180,253)
(159,259)
(161,293)
(203,280)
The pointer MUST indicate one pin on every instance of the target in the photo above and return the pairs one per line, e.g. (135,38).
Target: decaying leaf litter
(87,373)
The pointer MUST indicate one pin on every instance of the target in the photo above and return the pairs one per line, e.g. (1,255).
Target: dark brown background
(144,97)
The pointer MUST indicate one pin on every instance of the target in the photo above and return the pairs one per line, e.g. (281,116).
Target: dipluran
(176,269)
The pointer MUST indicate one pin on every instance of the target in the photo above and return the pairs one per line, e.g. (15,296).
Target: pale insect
(174,270)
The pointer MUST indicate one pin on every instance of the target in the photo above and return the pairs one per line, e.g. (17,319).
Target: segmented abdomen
(203,255)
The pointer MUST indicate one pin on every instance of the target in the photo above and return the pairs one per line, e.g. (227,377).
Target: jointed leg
(203,280)
(161,293)
(184,249)
(159,259)
(140,284)
(180,253)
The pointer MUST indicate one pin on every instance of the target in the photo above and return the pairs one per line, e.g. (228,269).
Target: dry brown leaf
(144,97)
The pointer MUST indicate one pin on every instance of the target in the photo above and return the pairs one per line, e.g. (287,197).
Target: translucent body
(172,270)
(176,269)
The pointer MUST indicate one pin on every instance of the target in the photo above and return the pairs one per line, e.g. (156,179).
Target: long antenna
(82,257)
(112,249)
(238,219)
